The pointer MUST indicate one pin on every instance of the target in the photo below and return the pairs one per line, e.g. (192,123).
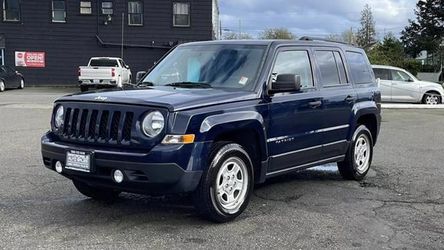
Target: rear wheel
(432,98)
(84,88)
(2,86)
(359,155)
(22,84)
(101,194)
(225,188)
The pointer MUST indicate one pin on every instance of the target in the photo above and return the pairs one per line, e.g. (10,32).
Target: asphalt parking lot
(399,205)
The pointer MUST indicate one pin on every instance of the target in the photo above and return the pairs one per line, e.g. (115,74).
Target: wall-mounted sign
(30,59)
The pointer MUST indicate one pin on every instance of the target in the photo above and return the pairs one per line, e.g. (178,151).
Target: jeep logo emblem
(101,98)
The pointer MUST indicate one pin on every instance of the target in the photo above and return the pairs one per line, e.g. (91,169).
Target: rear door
(385,83)
(295,118)
(339,98)
(404,88)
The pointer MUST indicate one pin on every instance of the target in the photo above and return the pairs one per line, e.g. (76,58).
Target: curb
(411,106)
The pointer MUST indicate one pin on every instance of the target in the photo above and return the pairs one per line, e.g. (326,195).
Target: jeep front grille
(97,126)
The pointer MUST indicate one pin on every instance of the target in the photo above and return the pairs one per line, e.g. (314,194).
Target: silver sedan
(399,85)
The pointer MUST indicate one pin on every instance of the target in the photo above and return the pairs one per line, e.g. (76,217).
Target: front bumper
(143,172)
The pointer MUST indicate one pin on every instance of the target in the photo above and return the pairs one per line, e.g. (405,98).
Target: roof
(105,57)
(274,42)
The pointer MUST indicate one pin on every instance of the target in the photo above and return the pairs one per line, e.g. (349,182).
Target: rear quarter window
(103,63)
(359,67)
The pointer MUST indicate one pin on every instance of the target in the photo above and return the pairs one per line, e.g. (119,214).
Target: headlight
(153,124)
(58,118)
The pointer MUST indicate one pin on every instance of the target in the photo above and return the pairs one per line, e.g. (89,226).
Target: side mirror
(410,80)
(286,83)
(140,75)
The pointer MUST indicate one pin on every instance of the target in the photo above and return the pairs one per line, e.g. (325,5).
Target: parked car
(399,85)
(10,78)
(214,118)
(104,71)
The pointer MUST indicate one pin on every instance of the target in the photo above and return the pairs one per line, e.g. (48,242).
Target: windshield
(214,66)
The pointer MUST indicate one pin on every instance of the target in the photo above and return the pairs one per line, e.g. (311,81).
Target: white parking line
(410,106)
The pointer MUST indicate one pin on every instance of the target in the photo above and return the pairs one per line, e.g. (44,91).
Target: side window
(341,67)
(58,11)
(11,10)
(294,62)
(327,67)
(360,70)
(400,76)
(383,74)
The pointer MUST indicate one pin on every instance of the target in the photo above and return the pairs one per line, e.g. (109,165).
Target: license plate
(96,81)
(78,160)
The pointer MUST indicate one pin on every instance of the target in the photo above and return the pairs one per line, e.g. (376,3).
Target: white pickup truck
(104,71)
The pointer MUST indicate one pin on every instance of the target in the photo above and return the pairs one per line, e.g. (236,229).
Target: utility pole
(123,27)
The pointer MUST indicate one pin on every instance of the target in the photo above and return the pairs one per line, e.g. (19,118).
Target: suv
(215,118)
(399,85)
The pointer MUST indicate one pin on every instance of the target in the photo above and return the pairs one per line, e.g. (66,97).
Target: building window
(58,11)
(85,8)
(11,10)
(135,13)
(181,14)
(107,8)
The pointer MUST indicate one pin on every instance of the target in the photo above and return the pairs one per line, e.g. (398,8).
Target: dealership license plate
(78,160)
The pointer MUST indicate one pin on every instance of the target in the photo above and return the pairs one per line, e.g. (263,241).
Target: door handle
(350,99)
(315,104)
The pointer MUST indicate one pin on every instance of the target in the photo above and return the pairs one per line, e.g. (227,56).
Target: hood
(172,98)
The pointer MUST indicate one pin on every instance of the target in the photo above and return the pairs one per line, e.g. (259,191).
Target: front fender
(216,125)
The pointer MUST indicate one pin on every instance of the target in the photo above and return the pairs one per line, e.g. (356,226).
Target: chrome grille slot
(87,125)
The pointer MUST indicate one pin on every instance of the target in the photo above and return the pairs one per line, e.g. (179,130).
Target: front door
(295,118)
(404,88)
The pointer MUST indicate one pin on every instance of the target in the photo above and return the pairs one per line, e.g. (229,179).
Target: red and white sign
(30,59)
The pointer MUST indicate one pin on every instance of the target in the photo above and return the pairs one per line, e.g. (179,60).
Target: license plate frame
(78,160)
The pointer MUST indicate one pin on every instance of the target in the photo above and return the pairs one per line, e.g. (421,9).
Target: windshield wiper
(145,84)
(189,85)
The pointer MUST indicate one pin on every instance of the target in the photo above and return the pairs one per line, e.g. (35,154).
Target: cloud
(313,17)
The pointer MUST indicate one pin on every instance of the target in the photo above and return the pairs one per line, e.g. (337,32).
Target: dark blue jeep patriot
(214,118)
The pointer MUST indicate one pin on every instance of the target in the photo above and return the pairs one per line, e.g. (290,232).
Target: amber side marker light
(178,139)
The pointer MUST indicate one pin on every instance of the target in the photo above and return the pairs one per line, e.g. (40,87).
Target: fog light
(59,167)
(118,176)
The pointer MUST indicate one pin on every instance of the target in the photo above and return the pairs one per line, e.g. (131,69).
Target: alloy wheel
(232,185)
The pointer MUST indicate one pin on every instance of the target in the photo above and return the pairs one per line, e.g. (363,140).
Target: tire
(2,86)
(431,98)
(359,156)
(84,88)
(22,84)
(220,197)
(100,194)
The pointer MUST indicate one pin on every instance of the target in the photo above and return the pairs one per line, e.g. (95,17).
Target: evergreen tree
(427,31)
(366,34)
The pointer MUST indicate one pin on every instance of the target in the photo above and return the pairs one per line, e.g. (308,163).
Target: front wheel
(359,155)
(225,188)
(431,98)
(100,194)
(2,86)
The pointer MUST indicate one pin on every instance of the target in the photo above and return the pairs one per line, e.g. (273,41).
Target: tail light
(79,72)
(113,72)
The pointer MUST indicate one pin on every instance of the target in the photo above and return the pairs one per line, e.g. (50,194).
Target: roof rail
(310,38)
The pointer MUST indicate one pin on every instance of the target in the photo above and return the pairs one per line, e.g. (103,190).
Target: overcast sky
(313,17)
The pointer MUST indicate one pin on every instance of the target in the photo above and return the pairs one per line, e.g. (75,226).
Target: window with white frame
(181,14)
(85,8)
(107,8)
(58,11)
(135,13)
(11,10)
